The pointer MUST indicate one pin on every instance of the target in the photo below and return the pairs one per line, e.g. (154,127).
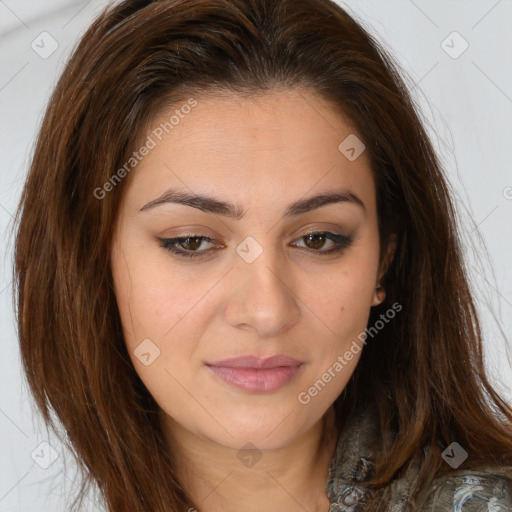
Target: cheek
(154,319)
(151,300)
(341,298)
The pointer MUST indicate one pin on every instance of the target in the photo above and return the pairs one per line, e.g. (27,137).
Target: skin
(262,154)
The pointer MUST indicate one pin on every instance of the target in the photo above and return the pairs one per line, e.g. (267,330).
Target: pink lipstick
(255,374)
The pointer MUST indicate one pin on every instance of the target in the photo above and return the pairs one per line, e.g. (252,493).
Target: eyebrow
(228,209)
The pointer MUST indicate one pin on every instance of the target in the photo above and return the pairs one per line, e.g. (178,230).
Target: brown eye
(317,240)
(186,244)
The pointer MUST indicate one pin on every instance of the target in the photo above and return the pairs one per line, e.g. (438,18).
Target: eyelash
(169,244)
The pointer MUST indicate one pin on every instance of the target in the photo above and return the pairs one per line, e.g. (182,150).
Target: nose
(262,297)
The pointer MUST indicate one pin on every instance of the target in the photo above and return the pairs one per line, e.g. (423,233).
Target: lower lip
(257,380)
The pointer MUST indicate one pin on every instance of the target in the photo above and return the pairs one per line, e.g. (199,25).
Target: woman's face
(259,286)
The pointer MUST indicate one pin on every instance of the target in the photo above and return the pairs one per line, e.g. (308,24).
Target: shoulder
(481,490)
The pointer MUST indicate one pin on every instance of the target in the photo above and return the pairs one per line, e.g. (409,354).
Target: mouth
(255,374)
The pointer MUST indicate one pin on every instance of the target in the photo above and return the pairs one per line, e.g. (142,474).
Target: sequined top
(483,490)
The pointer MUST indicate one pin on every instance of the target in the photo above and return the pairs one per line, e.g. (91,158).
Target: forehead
(279,143)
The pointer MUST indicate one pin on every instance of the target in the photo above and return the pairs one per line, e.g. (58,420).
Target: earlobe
(379,292)
(379,295)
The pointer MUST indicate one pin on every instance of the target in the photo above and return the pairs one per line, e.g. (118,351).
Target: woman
(238,270)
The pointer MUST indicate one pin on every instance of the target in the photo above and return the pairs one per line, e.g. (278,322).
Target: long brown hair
(424,371)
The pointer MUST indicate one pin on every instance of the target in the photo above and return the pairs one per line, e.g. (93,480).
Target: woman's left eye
(190,244)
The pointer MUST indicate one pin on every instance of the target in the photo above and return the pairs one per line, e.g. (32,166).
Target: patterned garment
(485,490)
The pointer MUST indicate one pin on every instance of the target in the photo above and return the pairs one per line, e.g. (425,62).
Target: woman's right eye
(190,243)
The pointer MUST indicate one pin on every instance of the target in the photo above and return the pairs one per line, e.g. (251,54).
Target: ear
(380,293)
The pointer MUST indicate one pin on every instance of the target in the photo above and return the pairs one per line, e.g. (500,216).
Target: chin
(269,435)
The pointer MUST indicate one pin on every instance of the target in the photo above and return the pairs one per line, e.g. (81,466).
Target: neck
(218,478)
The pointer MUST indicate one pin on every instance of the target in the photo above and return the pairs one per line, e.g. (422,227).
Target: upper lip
(257,362)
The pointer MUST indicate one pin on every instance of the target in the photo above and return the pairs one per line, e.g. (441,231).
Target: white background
(467,102)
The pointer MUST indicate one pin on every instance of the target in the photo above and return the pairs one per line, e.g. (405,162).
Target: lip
(255,374)
(257,362)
